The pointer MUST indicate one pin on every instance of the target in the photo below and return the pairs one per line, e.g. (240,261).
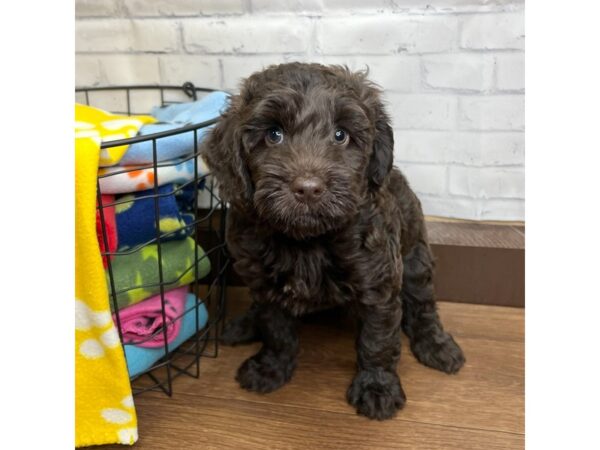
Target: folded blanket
(138,272)
(104,411)
(209,106)
(140,359)
(141,178)
(110,227)
(136,221)
(176,116)
(96,123)
(142,323)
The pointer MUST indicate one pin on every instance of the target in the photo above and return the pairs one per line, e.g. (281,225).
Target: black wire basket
(207,227)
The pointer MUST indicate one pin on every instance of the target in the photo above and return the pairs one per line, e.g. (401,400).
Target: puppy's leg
(376,391)
(242,329)
(430,344)
(274,364)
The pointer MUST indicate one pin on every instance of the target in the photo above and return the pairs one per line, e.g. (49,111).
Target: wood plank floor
(482,407)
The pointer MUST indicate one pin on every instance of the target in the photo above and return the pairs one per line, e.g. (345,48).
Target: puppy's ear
(383,151)
(222,151)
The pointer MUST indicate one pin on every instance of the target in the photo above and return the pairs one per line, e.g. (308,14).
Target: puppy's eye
(274,135)
(340,136)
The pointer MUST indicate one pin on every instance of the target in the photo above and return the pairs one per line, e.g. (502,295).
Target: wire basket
(207,227)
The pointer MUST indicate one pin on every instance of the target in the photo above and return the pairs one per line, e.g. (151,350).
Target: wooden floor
(482,407)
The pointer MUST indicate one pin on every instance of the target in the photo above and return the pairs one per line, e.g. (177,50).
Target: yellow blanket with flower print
(104,410)
(94,122)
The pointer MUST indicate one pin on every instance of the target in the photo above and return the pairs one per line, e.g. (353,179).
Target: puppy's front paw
(265,372)
(376,394)
(439,351)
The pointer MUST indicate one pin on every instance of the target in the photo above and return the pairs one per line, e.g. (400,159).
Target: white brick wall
(452,71)
(423,111)
(493,112)
(466,72)
(246,35)
(385,34)
(493,32)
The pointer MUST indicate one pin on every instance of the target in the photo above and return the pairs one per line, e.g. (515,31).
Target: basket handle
(190,90)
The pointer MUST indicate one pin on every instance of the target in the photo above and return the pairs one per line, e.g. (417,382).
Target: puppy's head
(302,146)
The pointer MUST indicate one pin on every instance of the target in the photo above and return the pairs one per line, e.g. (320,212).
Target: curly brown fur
(358,241)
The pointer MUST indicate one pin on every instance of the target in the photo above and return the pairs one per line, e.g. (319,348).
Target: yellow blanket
(94,122)
(104,410)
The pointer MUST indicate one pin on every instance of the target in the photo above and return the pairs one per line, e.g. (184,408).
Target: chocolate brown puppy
(319,218)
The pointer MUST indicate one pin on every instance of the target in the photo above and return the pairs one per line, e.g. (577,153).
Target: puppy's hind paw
(376,394)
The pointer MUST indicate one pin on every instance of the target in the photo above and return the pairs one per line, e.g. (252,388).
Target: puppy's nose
(308,189)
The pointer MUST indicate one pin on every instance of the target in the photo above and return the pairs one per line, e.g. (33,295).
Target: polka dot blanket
(104,409)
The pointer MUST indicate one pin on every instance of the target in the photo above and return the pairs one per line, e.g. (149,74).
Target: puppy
(319,218)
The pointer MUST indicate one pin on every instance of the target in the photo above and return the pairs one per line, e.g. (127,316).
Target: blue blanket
(140,359)
(185,113)
(136,222)
(176,116)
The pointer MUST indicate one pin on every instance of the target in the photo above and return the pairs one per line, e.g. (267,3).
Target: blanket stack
(147,205)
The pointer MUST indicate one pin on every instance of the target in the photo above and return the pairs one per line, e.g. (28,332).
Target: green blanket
(138,272)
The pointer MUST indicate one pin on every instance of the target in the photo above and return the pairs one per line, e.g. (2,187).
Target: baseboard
(479,263)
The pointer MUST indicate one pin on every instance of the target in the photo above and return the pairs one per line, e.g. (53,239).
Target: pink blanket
(140,321)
